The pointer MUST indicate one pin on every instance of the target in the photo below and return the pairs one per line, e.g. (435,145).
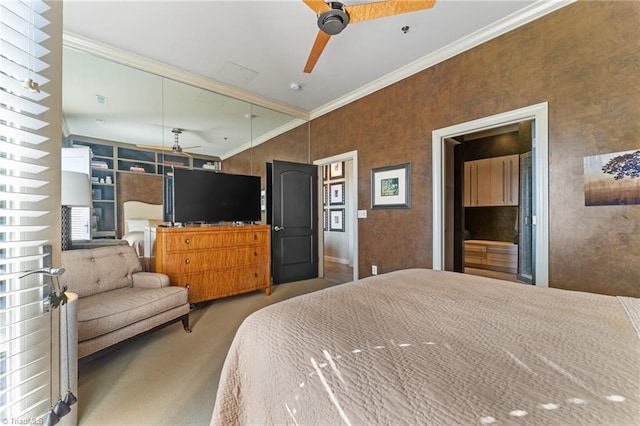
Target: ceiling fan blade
(318,46)
(191,147)
(318,6)
(369,11)
(161,148)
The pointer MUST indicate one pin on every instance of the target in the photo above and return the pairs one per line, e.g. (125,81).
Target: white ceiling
(254,50)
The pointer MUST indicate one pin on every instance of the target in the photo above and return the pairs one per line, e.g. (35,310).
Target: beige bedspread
(422,347)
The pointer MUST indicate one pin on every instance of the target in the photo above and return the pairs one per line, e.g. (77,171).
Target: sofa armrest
(150,280)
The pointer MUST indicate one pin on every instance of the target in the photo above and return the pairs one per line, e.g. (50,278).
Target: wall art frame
(325,194)
(336,194)
(612,179)
(336,170)
(391,187)
(336,220)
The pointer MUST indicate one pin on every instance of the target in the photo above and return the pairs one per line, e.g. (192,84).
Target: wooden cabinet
(491,181)
(215,261)
(504,180)
(477,183)
(495,255)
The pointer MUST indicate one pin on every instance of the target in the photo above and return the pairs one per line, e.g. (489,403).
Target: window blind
(25,217)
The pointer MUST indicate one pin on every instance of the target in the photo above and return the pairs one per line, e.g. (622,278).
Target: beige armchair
(116,299)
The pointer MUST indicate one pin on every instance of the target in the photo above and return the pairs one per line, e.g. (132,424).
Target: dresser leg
(268,291)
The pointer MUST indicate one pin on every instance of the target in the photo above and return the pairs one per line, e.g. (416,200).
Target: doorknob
(277,228)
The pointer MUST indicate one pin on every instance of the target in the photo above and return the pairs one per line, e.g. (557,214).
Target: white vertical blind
(25,220)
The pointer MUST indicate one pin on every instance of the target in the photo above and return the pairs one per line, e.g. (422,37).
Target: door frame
(351,222)
(540,114)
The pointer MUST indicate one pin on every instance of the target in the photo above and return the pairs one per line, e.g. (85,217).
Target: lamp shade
(76,189)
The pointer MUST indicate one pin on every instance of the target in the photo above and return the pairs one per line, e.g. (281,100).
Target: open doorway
(338,203)
(458,192)
(492,181)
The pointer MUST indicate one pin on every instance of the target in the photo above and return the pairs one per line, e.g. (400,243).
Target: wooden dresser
(215,261)
(495,255)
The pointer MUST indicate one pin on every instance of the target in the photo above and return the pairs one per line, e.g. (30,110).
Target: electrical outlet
(374,269)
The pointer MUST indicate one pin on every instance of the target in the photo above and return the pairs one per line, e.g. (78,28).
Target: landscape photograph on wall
(612,179)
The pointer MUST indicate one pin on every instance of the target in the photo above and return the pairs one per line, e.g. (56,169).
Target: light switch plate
(362,214)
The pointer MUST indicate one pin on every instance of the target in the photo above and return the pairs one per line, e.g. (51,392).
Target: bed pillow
(135,239)
(137,224)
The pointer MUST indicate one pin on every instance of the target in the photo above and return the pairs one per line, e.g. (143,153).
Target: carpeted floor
(169,377)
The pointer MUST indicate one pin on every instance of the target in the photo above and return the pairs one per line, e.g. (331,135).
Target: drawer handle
(187,241)
(255,253)
(187,286)
(255,236)
(187,261)
(255,274)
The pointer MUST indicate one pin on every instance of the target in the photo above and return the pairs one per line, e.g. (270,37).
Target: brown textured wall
(583,60)
(290,146)
(136,187)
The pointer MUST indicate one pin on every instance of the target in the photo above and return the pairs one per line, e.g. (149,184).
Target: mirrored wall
(110,101)
(139,125)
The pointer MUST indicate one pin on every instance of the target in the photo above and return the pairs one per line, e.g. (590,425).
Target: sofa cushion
(111,310)
(92,271)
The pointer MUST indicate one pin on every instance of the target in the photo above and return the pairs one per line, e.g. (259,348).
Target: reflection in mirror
(130,118)
(106,100)
(211,124)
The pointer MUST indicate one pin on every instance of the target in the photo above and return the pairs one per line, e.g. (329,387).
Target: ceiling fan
(176,148)
(333,17)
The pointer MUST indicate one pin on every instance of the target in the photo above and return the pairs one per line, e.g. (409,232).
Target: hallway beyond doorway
(337,273)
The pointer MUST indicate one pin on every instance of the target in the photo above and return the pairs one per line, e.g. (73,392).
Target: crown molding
(264,138)
(511,22)
(496,29)
(142,63)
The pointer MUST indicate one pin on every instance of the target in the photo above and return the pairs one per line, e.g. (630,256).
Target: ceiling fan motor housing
(176,145)
(335,20)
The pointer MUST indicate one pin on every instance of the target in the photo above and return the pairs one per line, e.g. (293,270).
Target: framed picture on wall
(325,194)
(326,220)
(336,194)
(391,187)
(336,217)
(336,170)
(612,179)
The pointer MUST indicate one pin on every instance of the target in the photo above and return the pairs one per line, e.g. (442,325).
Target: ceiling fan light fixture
(333,21)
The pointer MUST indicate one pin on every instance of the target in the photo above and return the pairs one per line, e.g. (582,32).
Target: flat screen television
(211,197)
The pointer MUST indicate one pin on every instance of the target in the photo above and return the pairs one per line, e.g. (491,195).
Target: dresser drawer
(475,254)
(504,259)
(204,260)
(214,240)
(215,284)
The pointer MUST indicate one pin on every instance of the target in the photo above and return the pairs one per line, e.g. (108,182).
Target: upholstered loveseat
(116,300)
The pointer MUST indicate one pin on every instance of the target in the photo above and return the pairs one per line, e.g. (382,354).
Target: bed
(137,216)
(428,347)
